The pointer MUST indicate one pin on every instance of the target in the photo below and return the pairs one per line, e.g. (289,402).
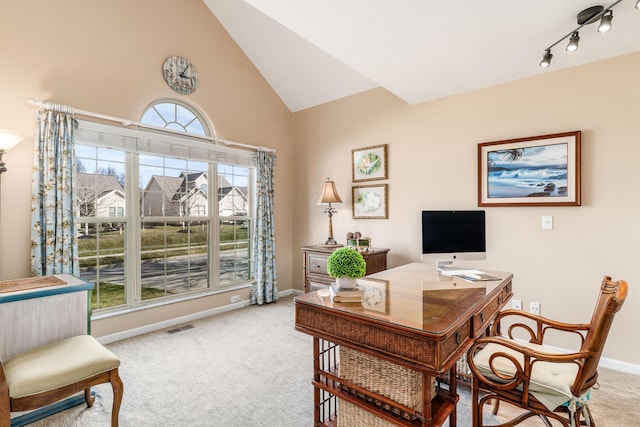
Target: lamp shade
(9,139)
(329,193)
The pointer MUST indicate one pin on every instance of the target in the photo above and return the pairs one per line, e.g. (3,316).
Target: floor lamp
(329,195)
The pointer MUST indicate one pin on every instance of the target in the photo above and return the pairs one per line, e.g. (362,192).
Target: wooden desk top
(408,312)
(414,296)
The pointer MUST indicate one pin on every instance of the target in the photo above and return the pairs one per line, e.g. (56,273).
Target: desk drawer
(483,318)
(458,339)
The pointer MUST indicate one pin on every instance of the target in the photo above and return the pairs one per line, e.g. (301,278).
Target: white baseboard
(618,365)
(129,333)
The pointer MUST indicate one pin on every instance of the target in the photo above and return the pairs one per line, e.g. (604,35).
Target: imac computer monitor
(450,236)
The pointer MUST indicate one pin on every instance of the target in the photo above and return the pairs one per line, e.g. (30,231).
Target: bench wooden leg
(118,391)
(88,397)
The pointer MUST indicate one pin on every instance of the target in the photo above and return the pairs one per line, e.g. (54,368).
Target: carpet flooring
(250,368)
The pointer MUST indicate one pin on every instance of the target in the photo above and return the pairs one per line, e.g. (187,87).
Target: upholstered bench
(52,372)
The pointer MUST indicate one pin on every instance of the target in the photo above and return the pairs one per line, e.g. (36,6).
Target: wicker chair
(52,372)
(537,378)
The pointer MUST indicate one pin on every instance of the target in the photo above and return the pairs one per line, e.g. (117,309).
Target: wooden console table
(415,320)
(315,264)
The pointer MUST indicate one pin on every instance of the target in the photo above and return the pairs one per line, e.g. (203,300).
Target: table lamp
(8,140)
(329,195)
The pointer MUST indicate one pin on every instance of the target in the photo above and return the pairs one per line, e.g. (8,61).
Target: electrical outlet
(235,298)
(534,308)
(516,304)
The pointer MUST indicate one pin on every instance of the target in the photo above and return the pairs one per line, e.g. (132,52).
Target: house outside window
(162,217)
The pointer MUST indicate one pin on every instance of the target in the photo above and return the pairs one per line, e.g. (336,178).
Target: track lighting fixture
(587,16)
(546,59)
(574,41)
(605,22)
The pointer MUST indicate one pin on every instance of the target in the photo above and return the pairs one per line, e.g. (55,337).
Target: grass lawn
(155,240)
(112,295)
(103,248)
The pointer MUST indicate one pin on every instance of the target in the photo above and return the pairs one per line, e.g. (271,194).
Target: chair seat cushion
(56,365)
(550,383)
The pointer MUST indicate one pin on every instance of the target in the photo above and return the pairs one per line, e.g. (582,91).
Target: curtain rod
(61,108)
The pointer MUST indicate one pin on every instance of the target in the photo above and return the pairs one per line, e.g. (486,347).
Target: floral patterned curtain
(264,263)
(54,244)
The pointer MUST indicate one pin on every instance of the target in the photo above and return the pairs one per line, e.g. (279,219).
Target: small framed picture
(370,201)
(376,294)
(534,171)
(369,163)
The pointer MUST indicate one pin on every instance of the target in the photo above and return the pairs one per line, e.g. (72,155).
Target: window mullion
(133,220)
(214,230)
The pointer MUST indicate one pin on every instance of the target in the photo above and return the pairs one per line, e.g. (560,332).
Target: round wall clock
(180,75)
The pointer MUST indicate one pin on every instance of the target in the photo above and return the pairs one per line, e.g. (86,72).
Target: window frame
(136,141)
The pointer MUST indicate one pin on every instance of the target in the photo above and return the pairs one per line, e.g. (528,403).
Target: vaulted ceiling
(316,51)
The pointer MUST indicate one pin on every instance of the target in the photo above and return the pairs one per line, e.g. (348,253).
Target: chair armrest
(542,325)
(516,373)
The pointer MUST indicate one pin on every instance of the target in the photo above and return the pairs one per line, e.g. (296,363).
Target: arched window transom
(176,116)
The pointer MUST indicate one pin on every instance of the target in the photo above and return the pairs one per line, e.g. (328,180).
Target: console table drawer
(318,264)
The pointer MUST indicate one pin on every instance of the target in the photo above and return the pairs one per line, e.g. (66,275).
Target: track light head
(574,41)
(605,22)
(546,59)
(638,4)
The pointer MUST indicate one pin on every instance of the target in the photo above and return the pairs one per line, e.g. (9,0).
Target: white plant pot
(345,282)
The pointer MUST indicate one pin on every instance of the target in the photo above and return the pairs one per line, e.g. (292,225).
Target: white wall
(433,165)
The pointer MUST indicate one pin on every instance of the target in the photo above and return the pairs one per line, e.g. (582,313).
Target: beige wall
(107,57)
(432,165)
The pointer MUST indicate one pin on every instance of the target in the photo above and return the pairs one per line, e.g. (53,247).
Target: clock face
(180,75)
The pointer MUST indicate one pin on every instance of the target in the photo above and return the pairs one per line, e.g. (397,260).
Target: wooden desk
(415,319)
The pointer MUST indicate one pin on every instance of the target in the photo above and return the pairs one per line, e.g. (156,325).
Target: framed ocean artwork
(534,171)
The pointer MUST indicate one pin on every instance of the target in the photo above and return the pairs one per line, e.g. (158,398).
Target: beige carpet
(249,368)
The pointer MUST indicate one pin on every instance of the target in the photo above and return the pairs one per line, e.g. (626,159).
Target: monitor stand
(445,266)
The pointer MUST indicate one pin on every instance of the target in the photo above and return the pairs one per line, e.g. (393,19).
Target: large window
(161,216)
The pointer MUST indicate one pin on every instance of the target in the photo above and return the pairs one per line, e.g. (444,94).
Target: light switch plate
(547,222)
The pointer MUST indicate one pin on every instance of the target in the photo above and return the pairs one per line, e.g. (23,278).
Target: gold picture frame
(369,163)
(370,201)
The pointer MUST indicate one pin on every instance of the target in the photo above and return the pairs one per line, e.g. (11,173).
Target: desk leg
(453,392)
(427,396)
(316,377)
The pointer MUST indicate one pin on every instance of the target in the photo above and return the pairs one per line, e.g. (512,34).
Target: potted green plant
(346,265)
